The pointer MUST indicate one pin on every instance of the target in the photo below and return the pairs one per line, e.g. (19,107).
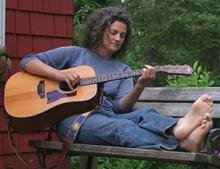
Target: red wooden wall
(31,26)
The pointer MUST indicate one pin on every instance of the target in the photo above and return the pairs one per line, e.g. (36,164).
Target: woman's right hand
(70,78)
(39,68)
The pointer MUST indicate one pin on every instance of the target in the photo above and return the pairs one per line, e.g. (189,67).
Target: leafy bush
(176,32)
(199,78)
(117,163)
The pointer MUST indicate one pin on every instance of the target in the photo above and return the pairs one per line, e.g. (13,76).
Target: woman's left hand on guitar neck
(149,74)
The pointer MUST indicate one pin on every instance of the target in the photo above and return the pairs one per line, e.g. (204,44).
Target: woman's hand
(70,78)
(41,69)
(149,74)
(127,102)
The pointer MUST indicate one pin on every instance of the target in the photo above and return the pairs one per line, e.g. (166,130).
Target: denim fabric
(144,128)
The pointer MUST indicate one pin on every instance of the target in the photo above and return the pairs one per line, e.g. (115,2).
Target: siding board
(6,148)
(42,24)
(15,66)
(3,122)
(11,45)
(46,6)
(10,21)
(61,42)
(12,4)
(12,162)
(60,26)
(55,6)
(38,5)
(67,7)
(24,45)
(1,93)
(69,26)
(25,4)
(32,26)
(22,22)
(41,43)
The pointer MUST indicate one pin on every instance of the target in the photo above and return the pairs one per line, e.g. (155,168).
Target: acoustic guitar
(36,103)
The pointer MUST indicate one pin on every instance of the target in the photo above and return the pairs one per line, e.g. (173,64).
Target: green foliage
(83,9)
(133,60)
(113,163)
(2,52)
(176,32)
(74,162)
(199,78)
(117,163)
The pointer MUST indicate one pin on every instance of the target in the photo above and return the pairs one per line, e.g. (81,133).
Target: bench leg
(41,156)
(87,162)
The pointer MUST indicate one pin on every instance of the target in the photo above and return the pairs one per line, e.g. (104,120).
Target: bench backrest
(177,101)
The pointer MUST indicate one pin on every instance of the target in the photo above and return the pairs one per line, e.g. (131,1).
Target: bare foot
(194,142)
(193,119)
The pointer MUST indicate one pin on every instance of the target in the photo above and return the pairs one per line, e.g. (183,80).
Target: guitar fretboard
(179,70)
(110,77)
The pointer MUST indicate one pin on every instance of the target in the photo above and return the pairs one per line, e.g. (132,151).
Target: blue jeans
(143,128)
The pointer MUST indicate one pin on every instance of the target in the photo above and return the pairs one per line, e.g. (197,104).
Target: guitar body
(35,103)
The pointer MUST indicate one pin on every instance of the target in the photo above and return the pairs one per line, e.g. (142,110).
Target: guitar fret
(88,80)
(98,78)
(82,82)
(93,80)
(101,78)
(124,75)
(157,68)
(129,73)
(112,76)
(115,75)
(184,70)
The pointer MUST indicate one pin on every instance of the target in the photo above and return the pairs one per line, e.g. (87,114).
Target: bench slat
(174,109)
(130,153)
(188,94)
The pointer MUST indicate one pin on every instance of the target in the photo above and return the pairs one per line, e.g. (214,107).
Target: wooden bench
(169,101)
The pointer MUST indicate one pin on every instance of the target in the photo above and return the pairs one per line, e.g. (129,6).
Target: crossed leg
(202,107)
(194,141)
(192,129)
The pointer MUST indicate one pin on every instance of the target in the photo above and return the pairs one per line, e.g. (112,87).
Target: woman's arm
(127,102)
(41,69)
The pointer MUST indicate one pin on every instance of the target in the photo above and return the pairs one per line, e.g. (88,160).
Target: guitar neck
(183,70)
(110,77)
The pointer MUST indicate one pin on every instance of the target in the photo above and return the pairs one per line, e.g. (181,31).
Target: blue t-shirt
(71,56)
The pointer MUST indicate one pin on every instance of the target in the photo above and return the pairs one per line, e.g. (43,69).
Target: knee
(123,126)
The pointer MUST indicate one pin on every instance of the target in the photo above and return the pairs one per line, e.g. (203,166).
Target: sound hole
(64,87)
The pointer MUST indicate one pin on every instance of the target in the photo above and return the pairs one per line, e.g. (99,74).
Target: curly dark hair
(98,21)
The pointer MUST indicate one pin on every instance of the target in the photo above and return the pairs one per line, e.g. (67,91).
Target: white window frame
(2,23)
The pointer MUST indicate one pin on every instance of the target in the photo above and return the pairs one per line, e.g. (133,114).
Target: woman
(106,35)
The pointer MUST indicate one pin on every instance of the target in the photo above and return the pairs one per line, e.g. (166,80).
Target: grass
(117,163)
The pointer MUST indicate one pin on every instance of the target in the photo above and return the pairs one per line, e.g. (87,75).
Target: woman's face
(113,39)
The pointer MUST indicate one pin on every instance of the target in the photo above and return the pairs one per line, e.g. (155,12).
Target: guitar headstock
(177,69)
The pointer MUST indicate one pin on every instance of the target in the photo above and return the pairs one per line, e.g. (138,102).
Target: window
(2,23)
